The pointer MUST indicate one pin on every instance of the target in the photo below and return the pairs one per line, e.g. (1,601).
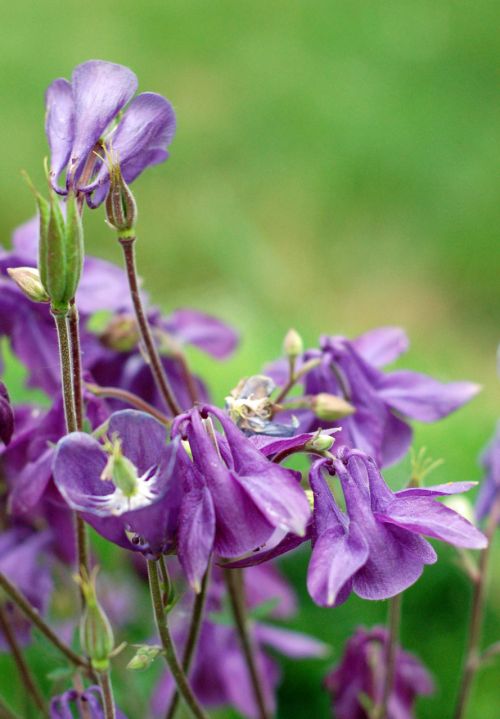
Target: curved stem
(32,614)
(193,634)
(472,654)
(170,654)
(130,398)
(23,669)
(393,622)
(235,587)
(107,695)
(159,375)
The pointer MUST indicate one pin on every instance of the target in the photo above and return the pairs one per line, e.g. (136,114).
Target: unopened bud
(293,345)
(121,209)
(320,443)
(121,334)
(28,281)
(329,407)
(144,656)
(96,633)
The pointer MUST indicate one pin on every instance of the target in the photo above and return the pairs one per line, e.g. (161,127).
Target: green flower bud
(144,656)
(329,407)
(96,633)
(28,281)
(320,443)
(293,345)
(121,209)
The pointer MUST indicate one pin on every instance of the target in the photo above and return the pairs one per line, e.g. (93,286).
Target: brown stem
(130,398)
(107,695)
(393,622)
(5,712)
(76,362)
(236,591)
(295,377)
(193,634)
(159,375)
(23,669)
(472,654)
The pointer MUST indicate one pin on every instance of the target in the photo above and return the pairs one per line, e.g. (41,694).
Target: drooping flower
(125,487)
(490,486)
(6,416)
(84,121)
(383,401)
(358,680)
(87,703)
(234,497)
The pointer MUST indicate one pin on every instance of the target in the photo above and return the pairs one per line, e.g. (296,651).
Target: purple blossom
(361,673)
(6,416)
(83,122)
(63,705)
(490,486)
(142,516)
(234,497)
(383,401)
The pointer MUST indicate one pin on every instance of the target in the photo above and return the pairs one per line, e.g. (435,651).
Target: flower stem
(472,654)
(107,695)
(159,375)
(193,634)
(5,712)
(393,622)
(295,376)
(170,654)
(76,362)
(32,614)
(236,591)
(130,398)
(23,669)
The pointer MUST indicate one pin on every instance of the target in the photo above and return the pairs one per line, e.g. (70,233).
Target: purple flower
(6,416)
(125,487)
(361,674)
(490,487)
(234,497)
(62,706)
(383,401)
(83,122)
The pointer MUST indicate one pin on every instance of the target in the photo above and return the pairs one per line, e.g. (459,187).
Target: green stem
(156,366)
(23,669)
(130,398)
(76,362)
(236,591)
(472,653)
(107,695)
(170,654)
(32,614)
(295,377)
(393,622)
(193,634)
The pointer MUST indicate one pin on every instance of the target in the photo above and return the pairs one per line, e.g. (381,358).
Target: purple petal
(425,516)
(437,490)
(100,90)
(6,416)
(25,240)
(196,534)
(287,544)
(418,396)
(396,440)
(208,333)
(30,484)
(103,286)
(381,346)
(292,644)
(59,124)
(143,438)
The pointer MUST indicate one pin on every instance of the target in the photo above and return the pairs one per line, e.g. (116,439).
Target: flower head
(61,706)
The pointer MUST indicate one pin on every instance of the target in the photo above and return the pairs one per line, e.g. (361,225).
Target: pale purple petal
(425,516)
(25,240)
(103,286)
(292,644)
(59,124)
(437,490)
(418,396)
(396,440)
(381,346)
(208,333)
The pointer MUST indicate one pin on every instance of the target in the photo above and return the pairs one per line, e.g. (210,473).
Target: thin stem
(170,654)
(192,638)
(188,377)
(472,654)
(32,614)
(5,712)
(130,398)
(76,362)
(159,375)
(236,591)
(23,669)
(393,622)
(295,377)
(107,695)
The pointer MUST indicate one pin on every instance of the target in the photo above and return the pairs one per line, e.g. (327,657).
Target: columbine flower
(358,680)
(383,402)
(490,487)
(6,416)
(124,488)
(87,703)
(234,496)
(83,122)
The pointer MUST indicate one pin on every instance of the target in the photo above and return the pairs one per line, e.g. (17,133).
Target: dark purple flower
(126,487)
(6,416)
(63,705)
(83,122)
(234,497)
(383,401)
(360,677)
(490,486)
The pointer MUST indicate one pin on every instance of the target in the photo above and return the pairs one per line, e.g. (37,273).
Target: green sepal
(73,246)
(55,258)
(44,218)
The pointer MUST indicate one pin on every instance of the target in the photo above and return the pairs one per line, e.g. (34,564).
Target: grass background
(333,170)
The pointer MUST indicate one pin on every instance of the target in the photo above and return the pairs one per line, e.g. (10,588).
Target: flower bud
(96,634)
(144,656)
(28,281)
(329,407)
(121,334)
(293,345)
(121,209)
(320,443)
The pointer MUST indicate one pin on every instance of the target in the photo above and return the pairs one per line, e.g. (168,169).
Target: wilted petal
(418,396)
(425,516)
(208,333)
(59,125)
(382,345)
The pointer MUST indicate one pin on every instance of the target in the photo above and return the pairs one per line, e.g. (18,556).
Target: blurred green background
(333,169)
